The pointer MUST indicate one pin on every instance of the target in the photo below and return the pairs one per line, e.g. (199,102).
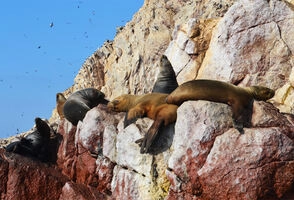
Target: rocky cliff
(244,42)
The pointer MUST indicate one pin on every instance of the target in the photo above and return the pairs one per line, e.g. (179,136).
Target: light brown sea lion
(166,81)
(80,102)
(239,98)
(60,100)
(150,105)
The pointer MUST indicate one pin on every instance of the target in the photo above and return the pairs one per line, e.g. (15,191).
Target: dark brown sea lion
(150,105)
(37,144)
(239,98)
(166,81)
(80,102)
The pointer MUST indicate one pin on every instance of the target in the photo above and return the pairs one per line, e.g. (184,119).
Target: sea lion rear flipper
(12,146)
(150,136)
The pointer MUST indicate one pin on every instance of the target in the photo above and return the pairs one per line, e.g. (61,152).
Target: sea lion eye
(115,101)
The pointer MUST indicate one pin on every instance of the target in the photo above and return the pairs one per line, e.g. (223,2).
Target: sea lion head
(261,93)
(164,61)
(91,96)
(60,98)
(120,104)
(42,127)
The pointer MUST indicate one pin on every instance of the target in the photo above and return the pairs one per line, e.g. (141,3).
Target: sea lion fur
(80,102)
(166,81)
(60,100)
(36,144)
(150,105)
(239,98)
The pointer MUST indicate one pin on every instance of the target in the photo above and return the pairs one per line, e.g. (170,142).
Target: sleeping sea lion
(166,81)
(239,98)
(80,102)
(37,144)
(150,105)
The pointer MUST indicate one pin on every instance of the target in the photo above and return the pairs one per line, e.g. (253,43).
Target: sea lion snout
(110,106)
(261,93)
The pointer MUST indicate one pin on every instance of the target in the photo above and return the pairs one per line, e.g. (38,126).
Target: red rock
(266,115)
(104,171)
(67,150)
(248,166)
(251,44)
(77,156)
(74,191)
(24,178)
(85,166)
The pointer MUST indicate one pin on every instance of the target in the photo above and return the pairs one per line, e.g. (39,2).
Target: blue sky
(43,44)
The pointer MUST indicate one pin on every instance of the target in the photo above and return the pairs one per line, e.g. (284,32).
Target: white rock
(128,152)
(130,185)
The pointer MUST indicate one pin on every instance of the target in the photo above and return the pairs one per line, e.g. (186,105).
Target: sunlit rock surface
(201,156)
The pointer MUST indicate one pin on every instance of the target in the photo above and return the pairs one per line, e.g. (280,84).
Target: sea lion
(60,100)
(239,98)
(166,81)
(80,102)
(36,144)
(150,105)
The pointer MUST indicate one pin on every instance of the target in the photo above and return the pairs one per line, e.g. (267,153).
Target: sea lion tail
(150,136)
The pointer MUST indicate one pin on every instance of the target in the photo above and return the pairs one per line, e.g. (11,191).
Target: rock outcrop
(201,156)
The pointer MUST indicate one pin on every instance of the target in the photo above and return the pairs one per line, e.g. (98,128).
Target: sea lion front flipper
(242,116)
(139,141)
(150,136)
(127,121)
(133,114)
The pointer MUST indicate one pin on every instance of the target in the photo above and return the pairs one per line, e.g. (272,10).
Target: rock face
(22,178)
(201,156)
